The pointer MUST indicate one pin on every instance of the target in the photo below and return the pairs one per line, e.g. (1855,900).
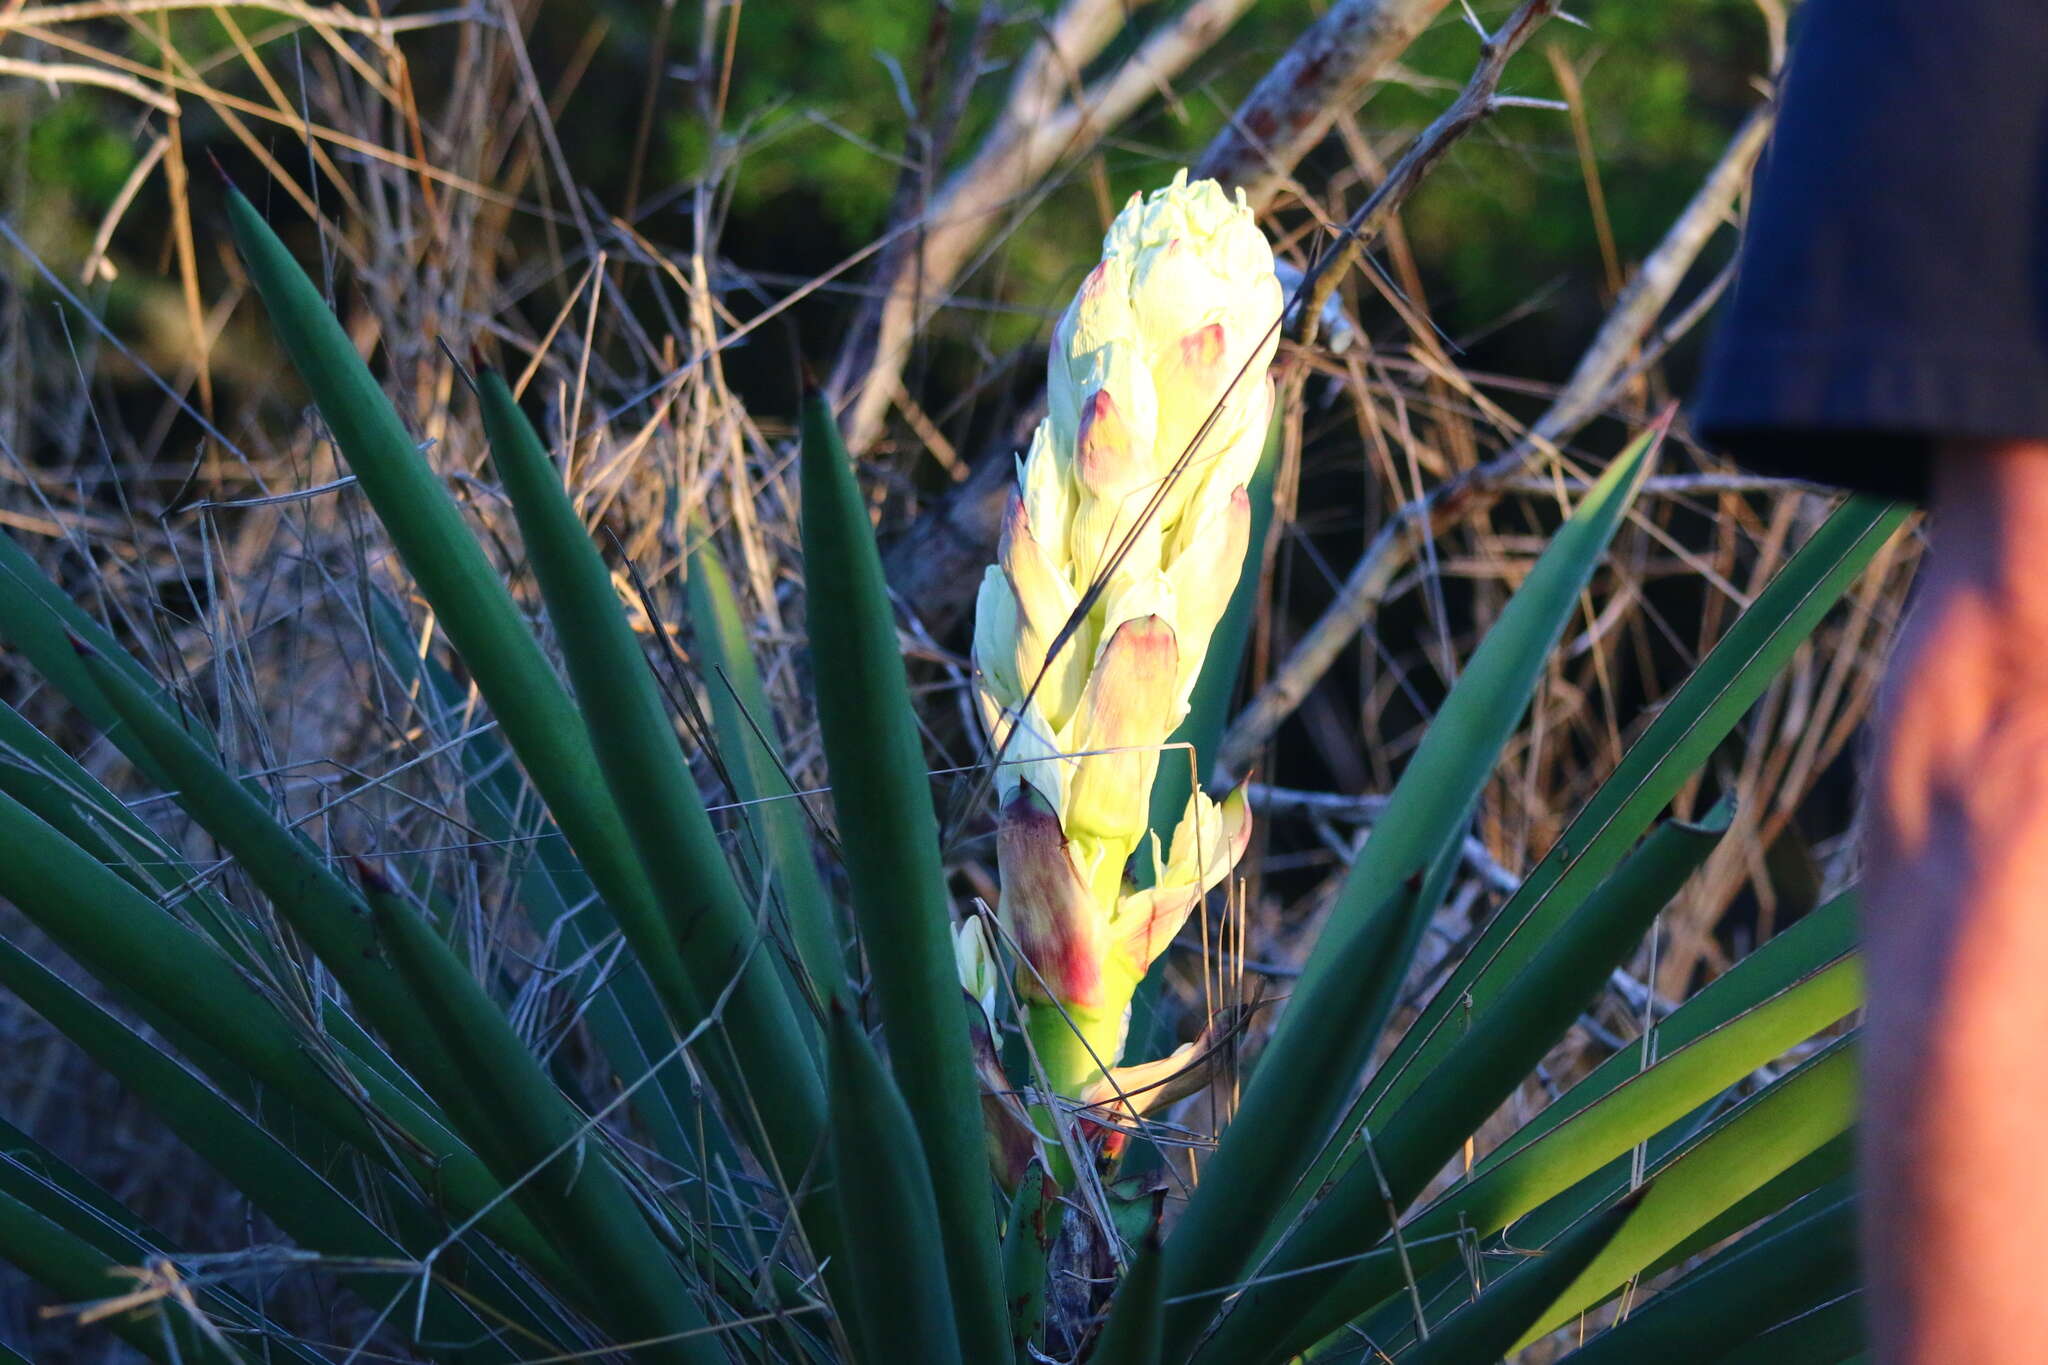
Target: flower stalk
(1121,544)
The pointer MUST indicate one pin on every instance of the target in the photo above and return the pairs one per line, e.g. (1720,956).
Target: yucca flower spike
(1131,500)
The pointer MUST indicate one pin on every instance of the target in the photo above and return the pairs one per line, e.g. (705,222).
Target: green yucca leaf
(1770,1131)
(882,798)
(1136,1332)
(900,1273)
(472,605)
(1412,846)
(64,795)
(1830,1333)
(287,868)
(61,793)
(1262,1148)
(124,939)
(77,1273)
(634,737)
(39,622)
(1804,1258)
(1581,1133)
(296,1197)
(623,1013)
(549,1155)
(1427,811)
(1484,1328)
(1796,984)
(1492,1058)
(745,726)
(1826,1168)
(1684,732)
(1028,1236)
(47,1187)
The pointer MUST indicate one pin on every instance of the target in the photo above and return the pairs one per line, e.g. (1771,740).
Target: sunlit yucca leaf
(1597,1123)
(1768,1133)
(1493,1056)
(1803,1258)
(1322,1049)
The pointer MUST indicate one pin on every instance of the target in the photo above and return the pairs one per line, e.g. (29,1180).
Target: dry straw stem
(319,16)
(1592,387)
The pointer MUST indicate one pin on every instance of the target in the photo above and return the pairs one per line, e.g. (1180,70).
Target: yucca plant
(820,1146)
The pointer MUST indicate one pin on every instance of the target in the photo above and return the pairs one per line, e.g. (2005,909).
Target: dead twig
(1474,102)
(1321,76)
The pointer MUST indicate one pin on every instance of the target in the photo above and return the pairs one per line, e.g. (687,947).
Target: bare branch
(1037,130)
(1583,397)
(1322,75)
(1474,102)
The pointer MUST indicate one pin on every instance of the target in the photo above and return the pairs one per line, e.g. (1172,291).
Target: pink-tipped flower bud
(1132,501)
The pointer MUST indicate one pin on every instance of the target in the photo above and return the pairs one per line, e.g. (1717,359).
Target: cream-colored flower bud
(1121,548)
